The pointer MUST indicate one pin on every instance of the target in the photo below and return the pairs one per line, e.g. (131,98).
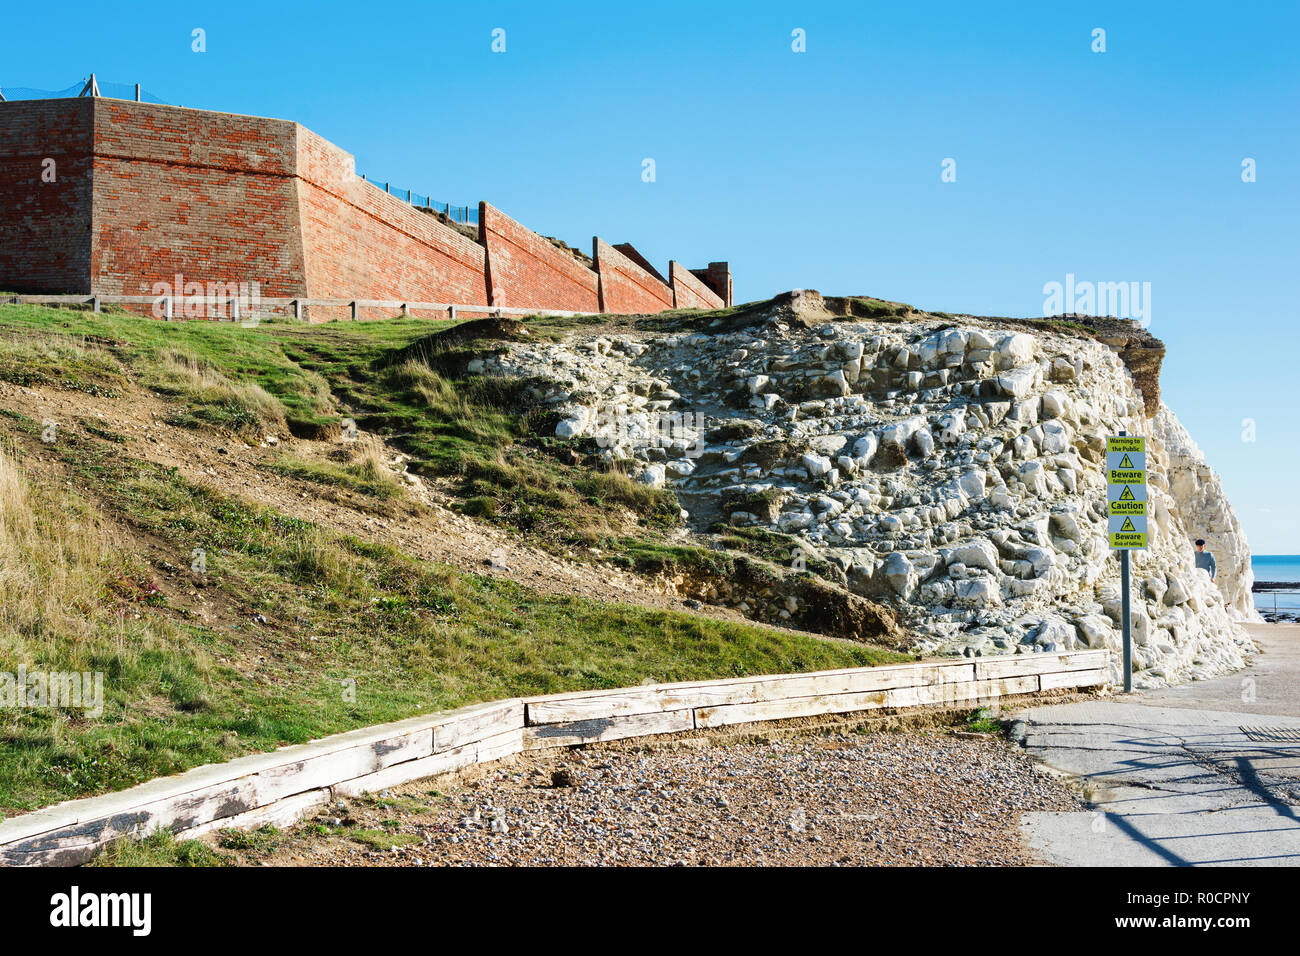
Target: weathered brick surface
(718,278)
(144,193)
(45,226)
(209,196)
(525,271)
(363,243)
(688,291)
(632,253)
(625,287)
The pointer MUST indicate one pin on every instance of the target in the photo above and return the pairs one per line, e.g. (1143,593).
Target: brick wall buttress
(46,189)
(361,242)
(625,287)
(526,271)
(688,291)
(208,196)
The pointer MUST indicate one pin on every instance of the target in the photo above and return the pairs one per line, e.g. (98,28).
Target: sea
(1277,567)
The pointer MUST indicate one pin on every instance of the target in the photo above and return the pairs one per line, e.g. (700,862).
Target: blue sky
(820,169)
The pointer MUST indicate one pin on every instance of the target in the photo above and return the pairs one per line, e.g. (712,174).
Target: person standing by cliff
(1204,559)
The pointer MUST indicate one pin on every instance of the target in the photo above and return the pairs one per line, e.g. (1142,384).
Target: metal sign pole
(1126,622)
(1126,481)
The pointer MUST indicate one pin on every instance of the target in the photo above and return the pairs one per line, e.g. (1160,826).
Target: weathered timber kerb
(280,787)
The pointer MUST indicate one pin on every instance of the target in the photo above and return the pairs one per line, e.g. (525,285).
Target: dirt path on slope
(419,524)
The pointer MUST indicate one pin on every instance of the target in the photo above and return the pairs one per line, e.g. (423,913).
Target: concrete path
(1185,776)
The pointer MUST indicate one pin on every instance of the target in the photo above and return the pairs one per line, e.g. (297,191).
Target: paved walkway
(1181,776)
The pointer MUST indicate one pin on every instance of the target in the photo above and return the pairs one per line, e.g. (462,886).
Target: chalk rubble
(953,472)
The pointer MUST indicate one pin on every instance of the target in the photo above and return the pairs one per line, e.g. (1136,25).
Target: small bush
(982,721)
(480,507)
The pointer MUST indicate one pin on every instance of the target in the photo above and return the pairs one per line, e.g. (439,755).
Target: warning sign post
(1126,509)
(1126,491)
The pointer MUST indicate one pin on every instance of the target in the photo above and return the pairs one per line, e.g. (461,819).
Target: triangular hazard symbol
(1128,526)
(1127,494)
(1126,463)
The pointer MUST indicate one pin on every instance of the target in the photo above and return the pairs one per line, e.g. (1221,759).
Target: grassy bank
(312,631)
(478,434)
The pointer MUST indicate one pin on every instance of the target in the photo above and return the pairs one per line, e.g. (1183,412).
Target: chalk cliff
(949,468)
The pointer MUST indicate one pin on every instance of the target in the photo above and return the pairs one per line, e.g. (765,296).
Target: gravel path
(915,798)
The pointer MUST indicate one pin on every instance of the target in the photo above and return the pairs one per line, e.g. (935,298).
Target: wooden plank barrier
(280,787)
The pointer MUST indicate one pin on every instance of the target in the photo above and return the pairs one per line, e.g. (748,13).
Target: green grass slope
(354,633)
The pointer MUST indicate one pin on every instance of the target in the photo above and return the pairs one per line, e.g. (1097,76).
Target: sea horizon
(1276,567)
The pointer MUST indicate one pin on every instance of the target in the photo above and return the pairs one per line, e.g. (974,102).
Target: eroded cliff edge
(946,467)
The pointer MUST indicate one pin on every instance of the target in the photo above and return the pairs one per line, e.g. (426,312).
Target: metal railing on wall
(90,86)
(466,215)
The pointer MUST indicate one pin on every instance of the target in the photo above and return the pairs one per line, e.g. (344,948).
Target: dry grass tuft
(242,406)
(54,560)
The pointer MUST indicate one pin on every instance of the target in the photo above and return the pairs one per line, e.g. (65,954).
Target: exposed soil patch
(420,522)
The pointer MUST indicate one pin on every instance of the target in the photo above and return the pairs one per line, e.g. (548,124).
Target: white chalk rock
(899,574)
(864,449)
(1054,403)
(1018,382)
(1096,631)
(972,482)
(977,592)
(653,476)
(828,444)
(570,427)
(979,553)
(1013,349)
(816,465)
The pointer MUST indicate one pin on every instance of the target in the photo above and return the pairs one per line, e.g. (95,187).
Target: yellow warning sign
(1119,539)
(1128,503)
(1118,476)
(1126,443)
(1126,494)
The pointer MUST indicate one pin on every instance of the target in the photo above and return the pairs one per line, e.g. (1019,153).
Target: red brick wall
(145,192)
(210,196)
(718,278)
(688,291)
(625,287)
(525,271)
(360,242)
(45,227)
(631,252)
